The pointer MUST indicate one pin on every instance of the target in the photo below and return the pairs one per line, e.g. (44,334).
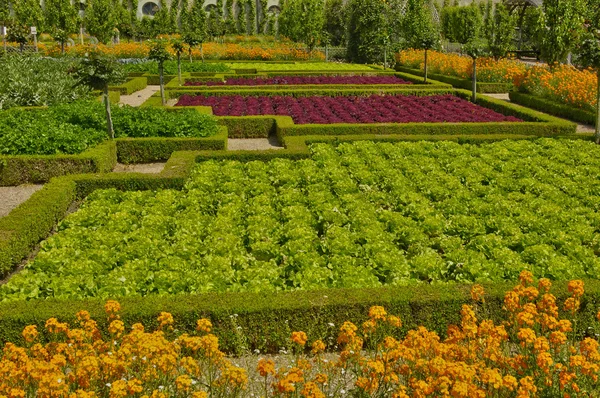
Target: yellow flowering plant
(534,352)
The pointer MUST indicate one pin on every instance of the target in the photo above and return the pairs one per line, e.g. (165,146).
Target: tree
(100,19)
(18,33)
(194,33)
(558,29)
(183,15)
(29,13)
(335,27)
(158,52)
(98,71)
(589,51)
(474,49)
(419,30)
(177,46)
(367,30)
(161,21)
(302,21)
(123,19)
(61,17)
(500,30)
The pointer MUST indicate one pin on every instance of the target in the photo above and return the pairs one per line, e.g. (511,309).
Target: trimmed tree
(558,29)
(367,29)
(158,52)
(419,29)
(195,28)
(61,16)
(178,47)
(302,21)
(475,49)
(500,30)
(98,71)
(29,13)
(589,51)
(335,22)
(100,19)
(19,33)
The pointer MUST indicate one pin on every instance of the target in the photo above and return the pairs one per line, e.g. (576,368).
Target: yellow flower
(30,333)
(204,325)
(477,293)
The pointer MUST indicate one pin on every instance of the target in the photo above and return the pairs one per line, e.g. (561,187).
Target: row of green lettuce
(354,215)
(76,127)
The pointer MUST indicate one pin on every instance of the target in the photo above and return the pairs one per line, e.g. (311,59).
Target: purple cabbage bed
(297,80)
(350,109)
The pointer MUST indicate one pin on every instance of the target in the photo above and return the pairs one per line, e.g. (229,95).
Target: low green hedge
(482,87)
(20,169)
(315,90)
(147,150)
(132,85)
(154,80)
(248,126)
(31,222)
(267,319)
(553,108)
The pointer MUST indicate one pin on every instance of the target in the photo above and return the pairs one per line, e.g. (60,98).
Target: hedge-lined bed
(553,108)
(262,316)
(535,123)
(130,86)
(482,87)
(37,144)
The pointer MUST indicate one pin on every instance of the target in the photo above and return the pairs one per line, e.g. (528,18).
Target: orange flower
(299,338)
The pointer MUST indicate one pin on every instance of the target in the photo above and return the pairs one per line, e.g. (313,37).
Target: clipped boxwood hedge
(553,108)
(482,87)
(267,319)
(20,169)
(153,149)
(132,85)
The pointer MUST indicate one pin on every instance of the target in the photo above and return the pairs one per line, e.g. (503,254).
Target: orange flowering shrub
(563,83)
(79,362)
(533,353)
(226,51)
(489,70)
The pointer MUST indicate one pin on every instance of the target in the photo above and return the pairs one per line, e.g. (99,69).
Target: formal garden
(305,198)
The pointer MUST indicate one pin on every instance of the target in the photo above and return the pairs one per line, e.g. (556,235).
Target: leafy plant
(98,71)
(158,52)
(30,80)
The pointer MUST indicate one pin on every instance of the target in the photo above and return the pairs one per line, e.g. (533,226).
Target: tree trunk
(425,66)
(179,67)
(190,53)
(474,80)
(597,135)
(62,47)
(109,123)
(202,52)
(162,84)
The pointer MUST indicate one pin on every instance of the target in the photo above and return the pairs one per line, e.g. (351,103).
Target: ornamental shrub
(367,30)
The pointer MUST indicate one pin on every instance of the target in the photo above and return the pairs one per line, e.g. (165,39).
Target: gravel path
(253,144)
(144,168)
(11,197)
(139,97)
(581,128)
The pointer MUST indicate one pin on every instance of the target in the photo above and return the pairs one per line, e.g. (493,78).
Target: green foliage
(29,13)
(367,30)
(61,18)
(158,52)
(553,108)
(558,29)
(302,21)
(270,226)
(18,33)
(30,80)
(170,67)
(73,128)
(162,22)
(98,71)
(462,24)
(195,28)
(335,22)
(4,12)
(500,31)
(101,19)
(420,32)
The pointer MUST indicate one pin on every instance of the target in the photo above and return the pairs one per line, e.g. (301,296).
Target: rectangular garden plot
(301,80)
(356,215)
(352,109)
